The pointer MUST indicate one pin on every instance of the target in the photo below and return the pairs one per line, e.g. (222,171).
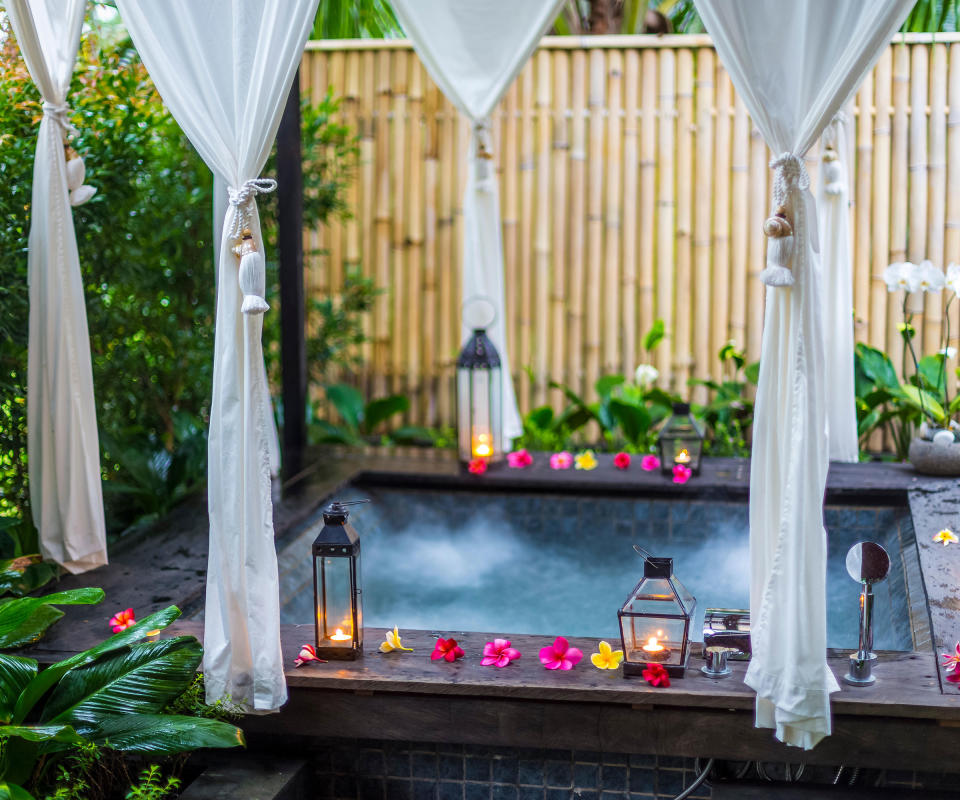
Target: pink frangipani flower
(477,467)
(498,653)
(307,653)
(122,620)
(621,460)
(951,663)
(681,474)
(560,655)
(446,649)
(649,463)
(562,460)
(519,459)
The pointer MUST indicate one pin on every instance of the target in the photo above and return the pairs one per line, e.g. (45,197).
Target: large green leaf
(932,373)
(140,679)
(349,403)
(924,401)
(607,384)
(326,432)
(633,420)
(43,682)
(164,734)
(654,336)
(15,674)
(20,576)
(42,733)
(541,418)
(752,372)
(10,791)
(23,620)
(877,366)
(382,409)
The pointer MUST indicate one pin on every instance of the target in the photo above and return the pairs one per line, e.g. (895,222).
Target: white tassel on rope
(252,274)
(790,177)
(832,168)
(484,157)
(76,172)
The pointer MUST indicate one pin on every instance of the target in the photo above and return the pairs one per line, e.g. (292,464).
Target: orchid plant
(923,399)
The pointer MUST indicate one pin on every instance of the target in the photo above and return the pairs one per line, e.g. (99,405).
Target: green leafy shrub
(359,419)
(728,413)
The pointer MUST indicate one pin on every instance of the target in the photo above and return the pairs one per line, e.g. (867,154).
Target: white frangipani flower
(646,375)
(953,278)
(929,278)
(900,275)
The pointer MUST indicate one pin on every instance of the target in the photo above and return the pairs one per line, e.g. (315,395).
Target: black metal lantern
(479,400)
(680,441)
(655,621)
(336,586)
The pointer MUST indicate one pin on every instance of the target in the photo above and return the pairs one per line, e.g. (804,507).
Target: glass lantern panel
(648,639)
(463,413)
(334,602)
(496,413)
(659,596)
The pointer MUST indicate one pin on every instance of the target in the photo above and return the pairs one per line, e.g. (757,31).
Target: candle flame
(482,447)
(683,457)
(340,636)
(652,645)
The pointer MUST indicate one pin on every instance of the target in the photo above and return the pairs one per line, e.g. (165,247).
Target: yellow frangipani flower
(607,658)
(585,460)
(393,643)
(946,536)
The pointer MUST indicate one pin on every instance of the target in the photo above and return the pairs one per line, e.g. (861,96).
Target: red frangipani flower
(477,467)
(621,460)
(519,459)
(307,653)
(681,474)
(951,663)
(447,649)
(656,675)
(122,620)
(649,463)
(498,653)
(560,655)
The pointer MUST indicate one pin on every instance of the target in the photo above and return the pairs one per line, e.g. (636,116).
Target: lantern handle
(480,298)
(644,554)
(349,502)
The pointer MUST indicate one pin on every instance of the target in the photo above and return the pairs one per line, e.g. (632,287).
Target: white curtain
(833,193)
(62,445)
(473,51)
(224,69)
(794,64)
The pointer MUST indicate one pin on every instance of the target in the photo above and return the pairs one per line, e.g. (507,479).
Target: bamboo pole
(880,200)
(952,236)
(430,354)
(527,169)
(398,229)
(702,240)
(412,243)
(509,152)
(862,128)
(666,213)
(577,217)
(366,177)
(630,222)
(594,214)
(541,309)
(721,222)
(683,284)
(739,219)
(917,237)
(898,193)
(937,209)
(649,78)
(558,278)
(335,231)
(447,244)
(381,310)
(612,346)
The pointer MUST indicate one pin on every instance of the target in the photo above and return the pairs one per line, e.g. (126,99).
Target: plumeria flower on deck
(560,655)
(946,536)
(951,663)
(307,653)
(656,675)
(498,653)
(649,463)
(681,473)
(621,460)
(393,642)
(586,460)
(607,658)
(477,467)
(519,459)
(122,620)
(562,460)
(447,649)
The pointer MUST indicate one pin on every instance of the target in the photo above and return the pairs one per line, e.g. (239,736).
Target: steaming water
(553,564)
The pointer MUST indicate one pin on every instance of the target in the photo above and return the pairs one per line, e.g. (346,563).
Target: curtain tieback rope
(790,178)
(60,113)
(78,191)
(483,156)
(252,274)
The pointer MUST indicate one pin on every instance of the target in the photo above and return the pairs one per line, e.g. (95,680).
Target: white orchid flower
(949,352)
(899,275)
(646,375)
(953,278)
(929,278)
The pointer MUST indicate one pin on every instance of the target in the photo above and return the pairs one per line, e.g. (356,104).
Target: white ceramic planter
(935,459)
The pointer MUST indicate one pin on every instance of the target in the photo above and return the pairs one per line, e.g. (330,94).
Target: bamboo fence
(633,187)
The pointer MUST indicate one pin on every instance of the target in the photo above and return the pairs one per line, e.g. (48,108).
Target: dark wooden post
(293,351)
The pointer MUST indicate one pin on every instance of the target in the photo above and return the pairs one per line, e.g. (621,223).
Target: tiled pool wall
(381,770)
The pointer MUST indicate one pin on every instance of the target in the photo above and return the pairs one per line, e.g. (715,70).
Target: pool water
(554,564)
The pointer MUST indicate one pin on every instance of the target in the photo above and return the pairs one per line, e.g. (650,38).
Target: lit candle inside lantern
(482,447)
(654,651)
(683,457)
(340,636)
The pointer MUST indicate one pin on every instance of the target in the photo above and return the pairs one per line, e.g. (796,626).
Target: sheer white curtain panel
(224,69)
(794,65)
(473,51)
(66,498)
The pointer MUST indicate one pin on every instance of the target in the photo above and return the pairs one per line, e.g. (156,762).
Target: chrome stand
(868,563)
